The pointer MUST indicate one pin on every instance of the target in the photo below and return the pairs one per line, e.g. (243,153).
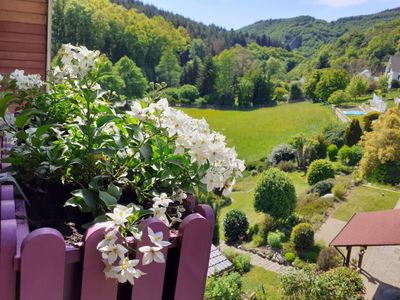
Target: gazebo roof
(378,228)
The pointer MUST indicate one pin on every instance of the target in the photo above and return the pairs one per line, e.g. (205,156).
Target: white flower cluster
(115,255)
(76,61)
(195,137)
(162,202)
(26,82)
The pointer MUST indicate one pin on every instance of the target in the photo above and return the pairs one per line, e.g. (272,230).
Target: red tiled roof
(378,228)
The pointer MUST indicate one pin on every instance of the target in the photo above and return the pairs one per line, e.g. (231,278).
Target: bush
(320,170)
(339,284)
(188,92)
(328,259)
(227,286)
(350,156)
(322,187)
(312,208)
(258,240)
(295,92)
(387,173)
(290,257)
(334,134)
(332,152)
(235,224)
(303,236)
(275,194)
(297,284)
(338,97)
(286,166)
(369,119)
(275,238)
(267,225)
(282,153)
(339,191)
(242,263)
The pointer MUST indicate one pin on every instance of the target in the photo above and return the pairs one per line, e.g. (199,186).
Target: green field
(254,133)
(259,276)
(363,199)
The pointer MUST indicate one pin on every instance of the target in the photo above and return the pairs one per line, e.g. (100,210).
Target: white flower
(109,239)
(157,238)
(120,214)
(162,200)
(126,271)
(151,254)
(160,213)
(179,195)
(111,252)
(26,82)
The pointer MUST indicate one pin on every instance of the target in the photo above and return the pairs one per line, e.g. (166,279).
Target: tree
(135,82)
(310,85)
(275,68)
(262,94)
(369,119)
(353,133)
(304,147)
(197,49)
(338,97)
(206,78)
(191,71)
(383,83)
(169,70)
(295,92)
(275,194)
(331,81)
(280,94)
(382,146)
(246,89)
(110,78)
(358,86)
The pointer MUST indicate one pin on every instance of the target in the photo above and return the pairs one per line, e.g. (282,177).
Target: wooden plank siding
(24,36)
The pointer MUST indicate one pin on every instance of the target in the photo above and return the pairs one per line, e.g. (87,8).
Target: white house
(393,68)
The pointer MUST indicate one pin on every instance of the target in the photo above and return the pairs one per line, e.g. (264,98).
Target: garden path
(257,260)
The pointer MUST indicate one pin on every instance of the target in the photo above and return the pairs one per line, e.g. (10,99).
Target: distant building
(378,104)
(393,69)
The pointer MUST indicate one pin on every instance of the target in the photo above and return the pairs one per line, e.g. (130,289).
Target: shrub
(353,133)
(334,134)
(235,224)
(328,259)
(295,91)
(320,170)
(369,119)
(338,97)
(282,153)
(227,286)
(339,284)
(286,166)
(258,240)
(298,284)
(303,236)
(387,173)
(172,94)
(267,225)
(275,194)
(275,238)
(188,92)
(350,156)
(242,263)
(230,254)
(313,208)
(332,152)
(339,190)
(322,187)
(290,257)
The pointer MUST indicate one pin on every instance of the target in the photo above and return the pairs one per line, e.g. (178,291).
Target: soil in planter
(47,210)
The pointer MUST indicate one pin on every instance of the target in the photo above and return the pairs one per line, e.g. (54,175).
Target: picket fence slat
(150,286)
(194,257)
(42,265)
(94,284)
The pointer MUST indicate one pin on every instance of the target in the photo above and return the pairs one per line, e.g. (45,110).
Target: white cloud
(342,3)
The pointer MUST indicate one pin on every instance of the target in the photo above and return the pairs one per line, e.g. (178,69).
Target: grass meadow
(254,133)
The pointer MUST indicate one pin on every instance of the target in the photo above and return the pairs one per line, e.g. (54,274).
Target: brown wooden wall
(23,36)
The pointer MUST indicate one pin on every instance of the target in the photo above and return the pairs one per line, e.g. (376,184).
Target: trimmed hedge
(319,170)
(302,236)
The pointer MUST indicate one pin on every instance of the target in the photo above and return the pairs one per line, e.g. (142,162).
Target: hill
(308,33)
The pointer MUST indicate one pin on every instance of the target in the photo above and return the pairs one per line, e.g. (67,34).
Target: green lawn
(257,276)
(363,199)
(254,133)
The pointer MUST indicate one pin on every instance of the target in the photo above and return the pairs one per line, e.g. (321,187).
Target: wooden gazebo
(367,229)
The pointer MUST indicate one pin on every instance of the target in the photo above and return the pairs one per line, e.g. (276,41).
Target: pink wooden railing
(39,265)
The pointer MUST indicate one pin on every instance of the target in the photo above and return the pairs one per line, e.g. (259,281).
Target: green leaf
(79,203)
(4,103)
(99,219)
(109,200)
(87,196)
(114,190)
(105,119)
(146,152)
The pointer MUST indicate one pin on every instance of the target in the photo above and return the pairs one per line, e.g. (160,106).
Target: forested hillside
(308,33)
(216,38)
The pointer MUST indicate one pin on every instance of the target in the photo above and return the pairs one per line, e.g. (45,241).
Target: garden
(284,198)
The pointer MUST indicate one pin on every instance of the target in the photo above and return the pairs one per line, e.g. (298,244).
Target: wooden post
(361,256)
(348,256)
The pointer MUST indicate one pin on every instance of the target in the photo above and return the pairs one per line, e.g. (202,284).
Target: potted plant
(79,160)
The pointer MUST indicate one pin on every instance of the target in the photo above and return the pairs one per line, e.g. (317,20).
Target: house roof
(218,262)
(378,228)
(394,63)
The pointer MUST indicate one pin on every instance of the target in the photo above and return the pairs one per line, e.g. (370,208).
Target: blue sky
(238,13)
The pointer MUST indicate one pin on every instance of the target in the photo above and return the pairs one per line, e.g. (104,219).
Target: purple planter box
(39,265)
